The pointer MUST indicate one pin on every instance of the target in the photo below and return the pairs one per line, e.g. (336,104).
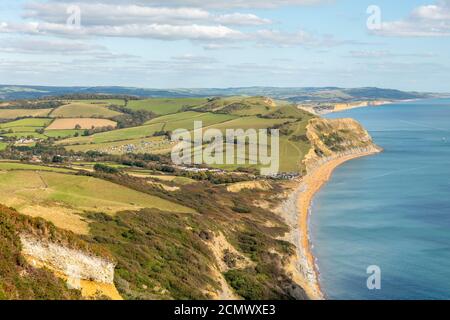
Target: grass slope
(22,113)
(165,106)
(116,135)
(84,110)
(24,188)
(29,122)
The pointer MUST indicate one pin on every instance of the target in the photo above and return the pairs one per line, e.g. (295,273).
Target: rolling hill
(329,94)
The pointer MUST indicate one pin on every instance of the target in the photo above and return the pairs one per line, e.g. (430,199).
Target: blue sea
(390,210)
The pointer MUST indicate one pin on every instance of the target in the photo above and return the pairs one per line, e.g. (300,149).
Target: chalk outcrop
(69,262)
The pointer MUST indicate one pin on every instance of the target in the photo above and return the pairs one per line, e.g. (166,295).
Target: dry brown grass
(84,123)
(249,185)
(63,218)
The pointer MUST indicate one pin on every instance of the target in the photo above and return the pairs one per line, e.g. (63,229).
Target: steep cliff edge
(18,278)
(333,139)
(91,274)
(40,261)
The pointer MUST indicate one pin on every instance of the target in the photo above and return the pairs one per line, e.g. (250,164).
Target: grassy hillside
(168,255)
(8,92)
(29,122)
(84,110)
(81,123)
(164,106)
(61,198)
(62,133)
(218,113)
(21,113)
(116,135)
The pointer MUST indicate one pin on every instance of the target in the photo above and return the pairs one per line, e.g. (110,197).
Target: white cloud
(94,14)
(241,19)
(214,29)
(424,21)
(217,4)
(153,31)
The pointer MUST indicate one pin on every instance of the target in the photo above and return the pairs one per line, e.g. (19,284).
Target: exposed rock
(70,262)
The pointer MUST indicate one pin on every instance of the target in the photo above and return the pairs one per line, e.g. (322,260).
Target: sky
(402,44)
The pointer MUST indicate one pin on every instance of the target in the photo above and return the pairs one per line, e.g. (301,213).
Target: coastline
(297,210)
(313,183)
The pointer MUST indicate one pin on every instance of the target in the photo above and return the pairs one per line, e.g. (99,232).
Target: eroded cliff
(332,139)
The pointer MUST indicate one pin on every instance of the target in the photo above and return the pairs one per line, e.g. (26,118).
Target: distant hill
(326,94)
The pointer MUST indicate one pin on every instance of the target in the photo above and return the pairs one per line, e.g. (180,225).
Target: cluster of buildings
(142,147)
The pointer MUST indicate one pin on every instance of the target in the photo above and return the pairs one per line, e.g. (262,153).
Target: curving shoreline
(297,210)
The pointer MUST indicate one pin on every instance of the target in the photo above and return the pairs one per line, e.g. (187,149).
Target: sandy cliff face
(332,139)
(94,276)
(67,260)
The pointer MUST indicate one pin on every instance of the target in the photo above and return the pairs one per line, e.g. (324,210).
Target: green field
(116,135)
(22,113)
(3,146)
(22,129)
(167,123)
(185,120)
(25,166)
(187,123)
(78,192)
(243,106)
(246,123)
(225,113)
(164,106)
(62,133)
(29,122)
(84,110)
(139,140)
(19,135)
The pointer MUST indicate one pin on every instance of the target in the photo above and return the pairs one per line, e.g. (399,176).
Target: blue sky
(226,43)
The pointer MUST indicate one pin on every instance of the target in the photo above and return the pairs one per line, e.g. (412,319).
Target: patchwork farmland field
(219,113)
(84,110)
(165,106)
(84,123)
(116,135)
(140,138)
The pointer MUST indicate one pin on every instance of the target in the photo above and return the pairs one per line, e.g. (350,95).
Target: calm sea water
(390,210)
